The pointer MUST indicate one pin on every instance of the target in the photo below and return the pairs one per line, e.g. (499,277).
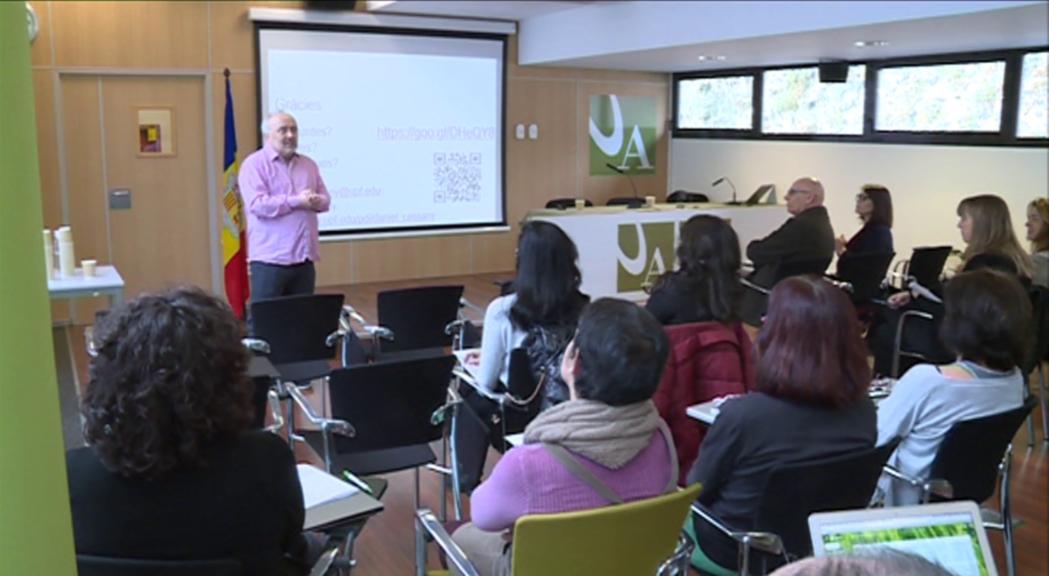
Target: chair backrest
(1040,348)
(418,316)
(926,264)
(296,327)
(390,404)
(686,197)
(103,566)
(799,267)
(631,538)
(628,201)
(865,271)
(969,455)
(794,491)
(565,203)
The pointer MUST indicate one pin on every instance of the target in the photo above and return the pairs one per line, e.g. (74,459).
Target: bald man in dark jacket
(804,243)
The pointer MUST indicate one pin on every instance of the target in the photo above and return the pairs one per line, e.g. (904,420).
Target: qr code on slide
(456,177)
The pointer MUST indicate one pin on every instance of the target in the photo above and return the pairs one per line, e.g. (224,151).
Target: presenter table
(105,282)
(623,251)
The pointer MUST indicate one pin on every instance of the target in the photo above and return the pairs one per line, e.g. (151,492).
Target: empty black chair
(972,457)
(565,203)
(104,566)
(299,331)
(418,316)
(628,201)
(685,197)
(865,273)
(793,492)
(391,407)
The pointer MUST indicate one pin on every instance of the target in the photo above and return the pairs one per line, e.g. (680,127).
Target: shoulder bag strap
(581,473)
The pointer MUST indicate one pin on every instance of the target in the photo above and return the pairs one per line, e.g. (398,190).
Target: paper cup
(580,203)
(650,201)
(88,267)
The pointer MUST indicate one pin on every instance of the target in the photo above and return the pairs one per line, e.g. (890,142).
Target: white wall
(926,182)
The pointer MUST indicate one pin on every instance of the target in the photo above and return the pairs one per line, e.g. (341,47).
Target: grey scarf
(608,435)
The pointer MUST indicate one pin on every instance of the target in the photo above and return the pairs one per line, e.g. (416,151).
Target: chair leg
(1006,510)
(457,498)
(1045,402)
(418,497)
(420,549)
(1030,417)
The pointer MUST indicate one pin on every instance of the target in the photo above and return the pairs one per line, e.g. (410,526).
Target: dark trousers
(276,280)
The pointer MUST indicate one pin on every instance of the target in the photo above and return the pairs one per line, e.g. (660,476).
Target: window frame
(1005,136)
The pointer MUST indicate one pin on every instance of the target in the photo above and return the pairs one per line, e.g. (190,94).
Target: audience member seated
(874,207)
(810,402)
(987,230)
(171,470)
(1038,235)
(609,428)
(882,562)
(986,324)
(706,286)
(806,236)
(710,352)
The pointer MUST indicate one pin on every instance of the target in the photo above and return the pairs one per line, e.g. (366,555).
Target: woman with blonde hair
(1038,225)
(987,230)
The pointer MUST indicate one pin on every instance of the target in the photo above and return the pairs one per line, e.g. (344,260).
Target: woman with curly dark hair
(171,470)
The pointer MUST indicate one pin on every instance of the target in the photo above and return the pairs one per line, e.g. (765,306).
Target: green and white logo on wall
(646,252)
(622,133)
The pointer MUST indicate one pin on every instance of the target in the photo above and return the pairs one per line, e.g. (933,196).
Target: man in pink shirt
(283,192)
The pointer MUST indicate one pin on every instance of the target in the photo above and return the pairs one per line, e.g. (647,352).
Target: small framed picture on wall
(156,133)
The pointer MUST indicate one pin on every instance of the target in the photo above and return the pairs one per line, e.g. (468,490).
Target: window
(1032,121)
(941,98)
(794,101)
(716,103)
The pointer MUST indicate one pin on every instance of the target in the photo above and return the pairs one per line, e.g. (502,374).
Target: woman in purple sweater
(605,445)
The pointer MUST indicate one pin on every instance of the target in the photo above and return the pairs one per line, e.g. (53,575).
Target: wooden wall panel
(163,239)
(86,187)
(233,35)
(47,148)
(40,52)
(131,34)
(407,258)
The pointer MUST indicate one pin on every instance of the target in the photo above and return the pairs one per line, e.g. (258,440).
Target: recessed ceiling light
(705,58)
(870,43)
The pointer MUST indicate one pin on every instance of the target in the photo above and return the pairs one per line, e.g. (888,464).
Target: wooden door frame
(210,165)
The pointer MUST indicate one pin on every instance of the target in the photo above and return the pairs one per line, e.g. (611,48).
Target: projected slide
(406,129)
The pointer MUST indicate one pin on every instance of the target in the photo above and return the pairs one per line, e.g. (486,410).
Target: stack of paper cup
(88,267)
(66,256)
(49,254)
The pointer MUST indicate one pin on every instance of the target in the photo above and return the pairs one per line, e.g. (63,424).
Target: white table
(621,250)
(105,282)
(707,412)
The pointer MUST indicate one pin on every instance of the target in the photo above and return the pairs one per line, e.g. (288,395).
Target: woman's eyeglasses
(862,196)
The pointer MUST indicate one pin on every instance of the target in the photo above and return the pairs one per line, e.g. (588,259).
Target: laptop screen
(951,539)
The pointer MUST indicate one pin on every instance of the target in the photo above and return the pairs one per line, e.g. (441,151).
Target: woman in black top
(706,286)
(171,471)
(810,402)
(874,207)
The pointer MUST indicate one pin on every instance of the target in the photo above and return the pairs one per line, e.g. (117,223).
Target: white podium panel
(621,251)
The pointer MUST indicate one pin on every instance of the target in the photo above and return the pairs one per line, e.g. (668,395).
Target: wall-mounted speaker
(834,71)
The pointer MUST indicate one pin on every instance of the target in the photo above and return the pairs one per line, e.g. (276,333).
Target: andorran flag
(234,240)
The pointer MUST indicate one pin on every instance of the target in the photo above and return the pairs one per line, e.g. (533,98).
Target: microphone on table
(619,170)
(726,179)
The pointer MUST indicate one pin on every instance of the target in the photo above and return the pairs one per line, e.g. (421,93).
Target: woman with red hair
(810,402)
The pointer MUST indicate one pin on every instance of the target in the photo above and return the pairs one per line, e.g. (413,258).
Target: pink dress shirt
(281,230)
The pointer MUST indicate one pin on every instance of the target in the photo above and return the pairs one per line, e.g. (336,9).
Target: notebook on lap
(950,534)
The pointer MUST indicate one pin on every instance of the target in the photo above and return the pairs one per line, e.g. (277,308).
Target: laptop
(950,534)
(760,193)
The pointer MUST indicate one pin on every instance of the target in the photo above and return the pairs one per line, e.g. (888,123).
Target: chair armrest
(348,315)
(764,541)
(922,291)
(275,412)
(324,563)
(679,561)
(256,345)
(760,289)
(894,473)
(426,521)
(332,425)
(929,486)
(464,303)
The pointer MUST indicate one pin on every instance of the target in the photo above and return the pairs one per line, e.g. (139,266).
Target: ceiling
(761,37)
